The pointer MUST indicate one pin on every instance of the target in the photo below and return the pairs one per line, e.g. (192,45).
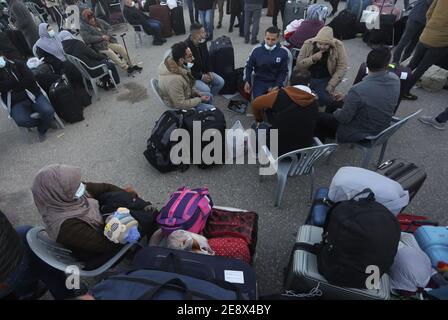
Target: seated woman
(69,209)
(91,58)
(21,271)
(314,21)
(97,33)
(50,48)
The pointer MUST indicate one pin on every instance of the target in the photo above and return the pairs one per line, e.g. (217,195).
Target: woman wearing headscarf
(98,33)
(23,21)
(49,47)
(69,209)
(91,58)
(314,21)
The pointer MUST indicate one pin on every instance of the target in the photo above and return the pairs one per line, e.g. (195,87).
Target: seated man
(325,57)
(22,96)
(292,110)
(151,26)
(369,105)
(269,62)
(206,81)
(177,83)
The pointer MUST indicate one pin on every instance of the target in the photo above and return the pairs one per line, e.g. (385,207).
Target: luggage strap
(311,248)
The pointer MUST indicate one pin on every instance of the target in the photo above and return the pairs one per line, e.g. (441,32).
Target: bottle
(320,207)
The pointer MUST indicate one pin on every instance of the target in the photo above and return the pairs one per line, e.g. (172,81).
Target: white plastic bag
(188,241)
(371,17)
(171,4)
(236,140)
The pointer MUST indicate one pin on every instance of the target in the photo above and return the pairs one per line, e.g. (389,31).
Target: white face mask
(269,48)
(189,65)
(2,62)
(81,190)
(202,41)
(51,33)
(133,4)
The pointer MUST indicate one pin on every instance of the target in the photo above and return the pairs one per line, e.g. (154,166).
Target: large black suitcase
(65,102)
(177,20)
(199,266)
(406,173)
(345,25)
(222,59)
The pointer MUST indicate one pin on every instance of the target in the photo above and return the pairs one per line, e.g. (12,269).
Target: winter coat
(94,36)
(24,21)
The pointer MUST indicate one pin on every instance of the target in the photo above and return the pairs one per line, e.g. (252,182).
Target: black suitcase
(294,10)
(162,14)
(345,25)
(199,266)
(409,175)
(65,102)
(222,59)
(177,20)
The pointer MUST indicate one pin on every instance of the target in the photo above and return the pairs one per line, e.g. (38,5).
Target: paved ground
(108,146)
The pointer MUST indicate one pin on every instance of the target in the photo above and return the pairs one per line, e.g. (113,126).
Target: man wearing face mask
(206,81)
(23,98)
(177,84)
(269,63)
(151,26)
(325,57)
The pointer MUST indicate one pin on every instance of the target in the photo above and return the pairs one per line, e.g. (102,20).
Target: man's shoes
(237,25)
(54,125)
(409,96)
(157,43)
(131,71)
(432,122)
(137,68)
(230,29)
(42,137)
(246,40)
(219,25)
(254,42)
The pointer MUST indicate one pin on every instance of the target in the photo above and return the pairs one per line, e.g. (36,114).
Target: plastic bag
(237,140)
(188,241)
(171,4)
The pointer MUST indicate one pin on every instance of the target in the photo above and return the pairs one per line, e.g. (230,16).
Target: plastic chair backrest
(384,135)
(83,67)
(155,87)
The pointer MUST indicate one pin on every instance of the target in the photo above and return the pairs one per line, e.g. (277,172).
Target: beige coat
(435,33)
(337,60)
(177,85)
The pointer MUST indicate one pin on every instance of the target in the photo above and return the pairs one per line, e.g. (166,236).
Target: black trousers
(326,126)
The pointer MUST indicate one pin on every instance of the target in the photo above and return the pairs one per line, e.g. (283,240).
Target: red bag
(410,222)
(232,224)
(235,248)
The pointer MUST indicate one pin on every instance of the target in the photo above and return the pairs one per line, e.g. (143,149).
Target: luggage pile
(357,243)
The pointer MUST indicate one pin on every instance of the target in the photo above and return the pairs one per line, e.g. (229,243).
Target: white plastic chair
(297,163)
(72,20)
(381,139)
(34,8)
(61,258)
(140,35)
(84,69)
(156,89)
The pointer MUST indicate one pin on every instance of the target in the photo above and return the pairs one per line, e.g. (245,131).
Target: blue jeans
(22,110)
(153,27)
(319,86)
(205,17)
(260,88)
(205,106)
(32,269)
(216,85)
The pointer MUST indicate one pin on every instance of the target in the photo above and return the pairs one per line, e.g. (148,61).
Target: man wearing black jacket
(23,98)
(206,80)
(151,26)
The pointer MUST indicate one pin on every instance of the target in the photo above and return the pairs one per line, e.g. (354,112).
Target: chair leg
(58,121)
(312,184)
(112,79)
(383,151)
(95,89)
(281,183)
(367,157)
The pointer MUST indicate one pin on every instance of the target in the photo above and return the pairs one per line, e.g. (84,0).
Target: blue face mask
(81,190)
(2,62)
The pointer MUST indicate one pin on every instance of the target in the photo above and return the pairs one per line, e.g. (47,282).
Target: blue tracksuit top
(269,66)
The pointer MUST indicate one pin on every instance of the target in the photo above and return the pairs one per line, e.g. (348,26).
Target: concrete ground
(108,146)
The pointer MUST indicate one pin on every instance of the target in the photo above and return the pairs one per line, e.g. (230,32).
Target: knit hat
(11,248)
(121,227)
(325,35)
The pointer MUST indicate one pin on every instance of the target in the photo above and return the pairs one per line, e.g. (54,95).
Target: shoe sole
(431,124)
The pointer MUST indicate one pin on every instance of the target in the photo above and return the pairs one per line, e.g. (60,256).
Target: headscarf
(87,14)
(49,44)
(54,189)
(317,12)
(65,35)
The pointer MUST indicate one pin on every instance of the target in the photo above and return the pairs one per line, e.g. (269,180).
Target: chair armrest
(395,119)
(317,141)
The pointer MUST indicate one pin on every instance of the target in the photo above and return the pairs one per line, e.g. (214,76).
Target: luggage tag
(234,276)
(404,76)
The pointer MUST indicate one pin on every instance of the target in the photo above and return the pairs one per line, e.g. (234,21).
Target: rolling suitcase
(177,20)
(162,14)
(222,59)
(303,276)
(294,10)
(199,266)
(406,173)
(65,102)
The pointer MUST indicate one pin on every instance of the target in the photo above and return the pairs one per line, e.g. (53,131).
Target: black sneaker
(158,43)
(137,68)
(219,25)
(239,107)
(131,71)
(230,29)
(409,96)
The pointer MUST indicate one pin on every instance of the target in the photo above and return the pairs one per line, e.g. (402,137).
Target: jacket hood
(300,95)
(169,66)
(325,35)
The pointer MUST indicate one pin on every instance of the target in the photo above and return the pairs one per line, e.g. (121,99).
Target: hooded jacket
(293,111)
(435,33)
(177,85)
(337,59)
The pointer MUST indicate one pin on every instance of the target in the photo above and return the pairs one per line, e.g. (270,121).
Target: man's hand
(205,98)
(317,56)
(273,89)
(247,87)
(206,78)
(210,74)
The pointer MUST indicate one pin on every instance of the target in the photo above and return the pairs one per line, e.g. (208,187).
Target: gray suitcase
(302,274)
(294,10)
